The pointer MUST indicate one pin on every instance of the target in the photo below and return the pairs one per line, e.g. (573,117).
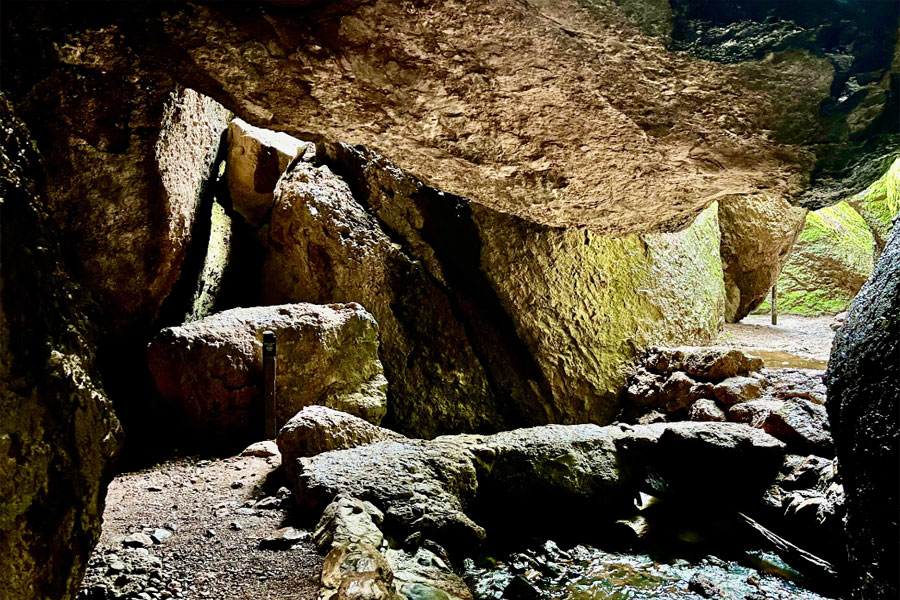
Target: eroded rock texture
(562,112)
(758,233)
(210,372)
(58,433)
(864,408)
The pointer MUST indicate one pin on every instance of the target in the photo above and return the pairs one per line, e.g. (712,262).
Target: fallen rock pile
(722,384)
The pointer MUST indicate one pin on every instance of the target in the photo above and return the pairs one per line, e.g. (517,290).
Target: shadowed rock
(210,372)
(864,409)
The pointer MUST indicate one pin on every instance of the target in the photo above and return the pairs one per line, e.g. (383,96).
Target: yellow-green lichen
(586,304)
(830,261)
(879,204)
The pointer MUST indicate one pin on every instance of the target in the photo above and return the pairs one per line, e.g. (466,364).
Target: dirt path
(211,512)
(802,342)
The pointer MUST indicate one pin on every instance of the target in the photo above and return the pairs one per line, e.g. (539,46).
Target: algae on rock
(586,304)
(830,262)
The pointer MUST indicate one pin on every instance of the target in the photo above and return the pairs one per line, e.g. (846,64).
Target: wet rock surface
(862,405)
(719,384)
(210,372)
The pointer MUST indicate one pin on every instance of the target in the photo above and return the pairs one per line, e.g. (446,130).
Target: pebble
(137,540)
(235,526)
(283,539)
(210,533)
(160,535)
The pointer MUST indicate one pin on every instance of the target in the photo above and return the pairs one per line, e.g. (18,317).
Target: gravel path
(212,515)
(806,339)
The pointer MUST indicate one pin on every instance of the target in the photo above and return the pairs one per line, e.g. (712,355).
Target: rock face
(828,265)
(448,489)
(210,371)
(758,233)
(534,324)
(659,143)
(144,183)
(58,433)
(256,159)
(863,393)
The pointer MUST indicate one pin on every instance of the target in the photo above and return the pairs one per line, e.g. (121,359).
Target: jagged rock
(664,140)
(668,393)
(317,429)
(706,410)
(737,389)
(753,412)
(758,232)
(807,501)
(256,159)
(280,539)
(863,408)
(423,575)
(129,172)
(704,586)
(803,425)
(211,373)
(829,263)
(324,247)
(209,285)
(704,363)
(58,431)
(877,205)
(348,521)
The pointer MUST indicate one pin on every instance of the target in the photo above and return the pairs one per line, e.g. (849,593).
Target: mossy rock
(830,262)
(879,204)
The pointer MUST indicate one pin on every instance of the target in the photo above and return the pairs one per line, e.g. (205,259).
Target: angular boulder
(256,159)
(210,372)
(758,233)
(864,410)
(348,521)
(703,363)
(754,412)
(706,410)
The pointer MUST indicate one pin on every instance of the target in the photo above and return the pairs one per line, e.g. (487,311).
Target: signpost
(269,370)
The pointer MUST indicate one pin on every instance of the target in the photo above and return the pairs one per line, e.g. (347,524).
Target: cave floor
(806,339)
(214,549)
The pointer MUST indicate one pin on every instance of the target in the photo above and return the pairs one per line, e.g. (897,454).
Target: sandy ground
(212,506)
(803,337)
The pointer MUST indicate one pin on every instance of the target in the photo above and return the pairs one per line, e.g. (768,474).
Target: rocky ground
(193,528)
(803,337)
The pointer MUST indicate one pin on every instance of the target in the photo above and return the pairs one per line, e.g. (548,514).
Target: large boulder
(451,488)
(256,159)
(210,372)
(879,205)
(758,233)
(829,263)
(58,432)
(864,410)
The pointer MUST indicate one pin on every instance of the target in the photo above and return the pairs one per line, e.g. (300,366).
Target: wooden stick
(809,564)
(269,373)
(775,303)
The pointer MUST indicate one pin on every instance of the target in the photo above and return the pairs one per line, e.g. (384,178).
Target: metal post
(775,303)
(269,369)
